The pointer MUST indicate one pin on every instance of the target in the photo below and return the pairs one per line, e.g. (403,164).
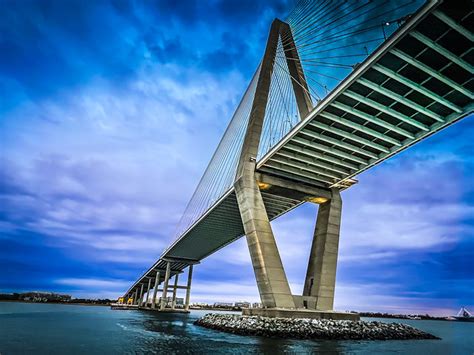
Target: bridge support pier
(164,295)
(175,290)
(155,289)
(139,299)
(320,278)
(271,278)
(188,288)
(147,295)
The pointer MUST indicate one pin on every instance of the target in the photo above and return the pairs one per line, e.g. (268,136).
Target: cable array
(281,112)
(220,173)
(333,36)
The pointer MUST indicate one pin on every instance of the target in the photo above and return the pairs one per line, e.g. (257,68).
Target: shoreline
(362,314)
(61,303)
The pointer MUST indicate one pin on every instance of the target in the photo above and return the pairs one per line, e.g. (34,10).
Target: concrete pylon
(155,289)
(139,300)
(188,287)
(271,278)
(268,268)
(298,79)
(321,273)
(145,301)
(175,290)
(164,296)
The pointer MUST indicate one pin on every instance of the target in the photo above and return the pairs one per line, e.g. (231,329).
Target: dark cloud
(48,46)
(186,12)
(52,45)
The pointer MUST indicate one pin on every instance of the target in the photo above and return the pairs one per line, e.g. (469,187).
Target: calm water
(63,329)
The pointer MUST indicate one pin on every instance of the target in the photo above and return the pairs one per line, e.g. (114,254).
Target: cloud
(367,258)
(94,283)
(385,297)
(221,291)
(74,43)
(94,288)
(119,153)
(103,173)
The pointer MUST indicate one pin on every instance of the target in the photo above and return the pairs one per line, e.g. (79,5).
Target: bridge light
(317,200)
(263,185)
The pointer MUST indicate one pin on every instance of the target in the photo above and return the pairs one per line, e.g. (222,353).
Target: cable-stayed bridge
(342,86)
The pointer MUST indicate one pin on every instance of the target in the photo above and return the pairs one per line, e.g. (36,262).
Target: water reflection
(177,333)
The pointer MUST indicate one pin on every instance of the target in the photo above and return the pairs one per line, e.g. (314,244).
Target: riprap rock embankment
(311,328)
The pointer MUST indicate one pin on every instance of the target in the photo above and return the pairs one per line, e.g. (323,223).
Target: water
(67,329)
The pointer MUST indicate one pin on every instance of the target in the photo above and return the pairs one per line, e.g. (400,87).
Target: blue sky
(109,114)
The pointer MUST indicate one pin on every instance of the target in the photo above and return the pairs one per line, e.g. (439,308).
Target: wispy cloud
(94,283)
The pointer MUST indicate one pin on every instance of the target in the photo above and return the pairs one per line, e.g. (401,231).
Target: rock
(310,328)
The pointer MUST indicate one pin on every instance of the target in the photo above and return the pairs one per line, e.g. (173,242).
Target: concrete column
(188,287)
(321,274)
(268,268)
(271,279)
(135,297)
(165,286)
(298,80)
(259,104)
(155,289)
(175,289)
(145,302)
(139,301)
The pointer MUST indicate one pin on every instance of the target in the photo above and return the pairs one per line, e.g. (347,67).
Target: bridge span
(415,82)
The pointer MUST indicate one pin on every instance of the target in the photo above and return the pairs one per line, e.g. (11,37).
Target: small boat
(464,315)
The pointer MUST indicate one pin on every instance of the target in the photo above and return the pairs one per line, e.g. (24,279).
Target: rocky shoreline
(303,328)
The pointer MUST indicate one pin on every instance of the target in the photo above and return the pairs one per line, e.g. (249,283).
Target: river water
(27,328)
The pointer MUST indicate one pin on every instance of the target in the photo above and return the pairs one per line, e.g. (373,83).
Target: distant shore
(108,303)
(65,303)
(362,314)
(216,309)
(402,316)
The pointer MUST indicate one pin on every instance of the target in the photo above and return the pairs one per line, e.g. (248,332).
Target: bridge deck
(416,83)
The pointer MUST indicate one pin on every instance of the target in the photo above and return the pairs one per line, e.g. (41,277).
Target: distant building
(256,305)
(223,304)
(44,297)
(242,304)
(169,300)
